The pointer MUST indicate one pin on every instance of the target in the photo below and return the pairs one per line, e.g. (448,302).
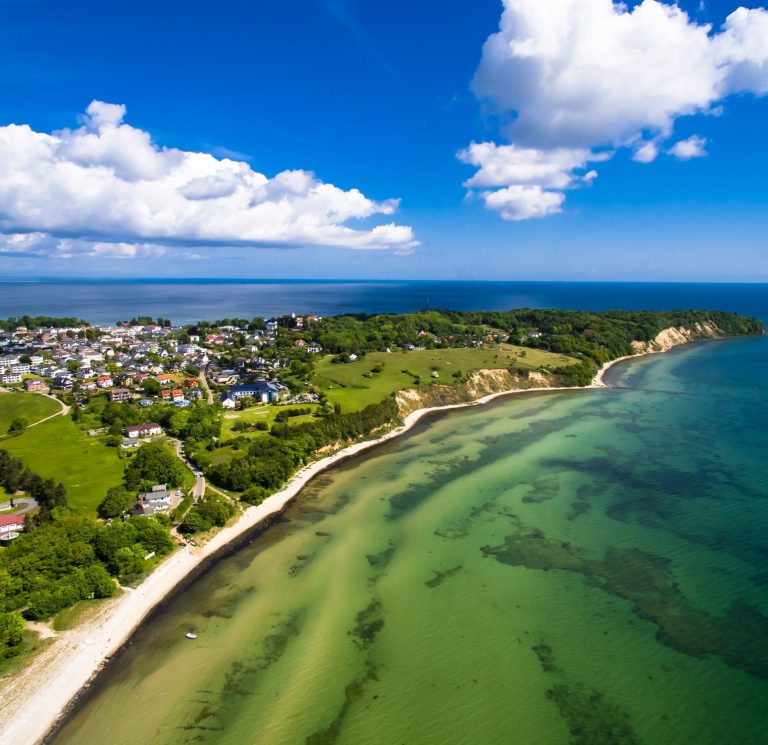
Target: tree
(254,495)
(154,463)
(11,630)
(128,560)
(18,425)
(151,387)
(152,535)
(117,502)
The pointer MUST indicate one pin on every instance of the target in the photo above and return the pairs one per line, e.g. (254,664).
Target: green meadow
(264,413)
(29,405)
(60,450)
(355,385)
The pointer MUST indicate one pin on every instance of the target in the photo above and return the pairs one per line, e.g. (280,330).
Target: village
(226,365)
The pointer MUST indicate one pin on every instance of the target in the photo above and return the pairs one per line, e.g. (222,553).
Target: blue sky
(379,97)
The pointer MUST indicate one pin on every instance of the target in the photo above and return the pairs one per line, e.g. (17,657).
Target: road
(62,412)
(198,490)
(20,505)
(204,385)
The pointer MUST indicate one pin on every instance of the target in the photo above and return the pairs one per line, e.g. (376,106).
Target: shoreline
(42,694)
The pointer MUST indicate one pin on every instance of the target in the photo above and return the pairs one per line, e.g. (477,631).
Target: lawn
(354,385)
(265,413)
(29,405)
(60,450)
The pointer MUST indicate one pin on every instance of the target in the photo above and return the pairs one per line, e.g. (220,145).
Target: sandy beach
(36,697)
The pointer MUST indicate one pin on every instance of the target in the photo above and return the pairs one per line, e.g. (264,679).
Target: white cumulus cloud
(524,202)
(106,185)
(693,147)
(573,78)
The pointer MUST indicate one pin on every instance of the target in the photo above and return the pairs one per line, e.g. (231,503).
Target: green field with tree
(29,406)
(58,449)
(260,418)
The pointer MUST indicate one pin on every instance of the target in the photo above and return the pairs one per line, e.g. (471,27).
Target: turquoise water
(584,567)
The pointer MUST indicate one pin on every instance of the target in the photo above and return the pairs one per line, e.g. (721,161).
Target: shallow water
(586,567)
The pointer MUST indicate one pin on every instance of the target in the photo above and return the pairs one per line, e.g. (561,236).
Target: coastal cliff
(675,335)
(480,384)
(484,383)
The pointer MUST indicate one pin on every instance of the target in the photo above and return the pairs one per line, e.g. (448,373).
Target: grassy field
(60,450)
(29,405)
(354,385)
(81,611)
(31,645)
(260,414)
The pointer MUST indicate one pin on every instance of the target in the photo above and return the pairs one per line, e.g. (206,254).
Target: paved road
(20,505)
(205,386)
(198,490)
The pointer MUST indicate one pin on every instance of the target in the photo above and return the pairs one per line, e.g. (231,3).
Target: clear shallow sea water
(188,301)
(580,568)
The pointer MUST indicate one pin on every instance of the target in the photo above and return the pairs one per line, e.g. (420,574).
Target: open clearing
(60,450)
(29,405)
(355,386)
(265,413)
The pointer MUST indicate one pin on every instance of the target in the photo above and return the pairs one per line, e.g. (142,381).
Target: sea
(585,567)
(186,301)
(574,568)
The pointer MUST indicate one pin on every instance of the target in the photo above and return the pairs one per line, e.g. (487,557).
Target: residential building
(11,524)
(150,429)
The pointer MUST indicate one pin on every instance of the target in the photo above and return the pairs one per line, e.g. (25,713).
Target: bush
(254,495)
(210,511)
(18,425)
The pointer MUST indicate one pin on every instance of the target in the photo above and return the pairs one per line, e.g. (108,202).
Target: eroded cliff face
(481,383)
(486,382)
(671,337)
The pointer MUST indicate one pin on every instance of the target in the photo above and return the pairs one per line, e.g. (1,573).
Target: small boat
(191,635)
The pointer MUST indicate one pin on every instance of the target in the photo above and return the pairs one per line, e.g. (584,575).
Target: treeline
(149,321)
(15,476)
(154,463)
(195,423)
(598,336)
(34,322)
(74,558)
(211,511)
(270,461)
(362,333)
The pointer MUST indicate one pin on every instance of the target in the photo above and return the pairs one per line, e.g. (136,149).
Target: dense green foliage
(361,333)
(211,511)
(269,461)
(34,322)
(70,559)
(601,336)
(154,463)
(117,502)
(15,476)
(198,422)
(11,633)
